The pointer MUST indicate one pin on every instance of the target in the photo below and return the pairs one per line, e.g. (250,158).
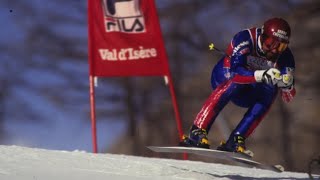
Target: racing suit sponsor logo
(258,63)
(237,48)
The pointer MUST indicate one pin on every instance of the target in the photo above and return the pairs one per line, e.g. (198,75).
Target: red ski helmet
(276,33)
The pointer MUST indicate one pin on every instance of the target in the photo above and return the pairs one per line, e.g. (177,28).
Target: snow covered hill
(21,163)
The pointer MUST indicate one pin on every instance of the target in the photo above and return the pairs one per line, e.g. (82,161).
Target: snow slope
(21,163)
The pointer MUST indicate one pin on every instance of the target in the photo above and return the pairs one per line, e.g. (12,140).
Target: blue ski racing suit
(233,80)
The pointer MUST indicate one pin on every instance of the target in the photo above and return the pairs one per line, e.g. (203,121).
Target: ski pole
(212,47)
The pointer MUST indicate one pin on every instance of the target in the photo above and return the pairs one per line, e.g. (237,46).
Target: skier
(258,63)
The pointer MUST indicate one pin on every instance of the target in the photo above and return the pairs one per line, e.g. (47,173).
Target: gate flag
(125,39)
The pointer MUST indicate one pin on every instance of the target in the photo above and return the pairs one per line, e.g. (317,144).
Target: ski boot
(197,138)
(235,143)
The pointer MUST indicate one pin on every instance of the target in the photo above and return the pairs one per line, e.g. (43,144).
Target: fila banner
(125,39)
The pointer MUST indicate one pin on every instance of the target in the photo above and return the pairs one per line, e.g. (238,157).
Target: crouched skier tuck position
(258,63)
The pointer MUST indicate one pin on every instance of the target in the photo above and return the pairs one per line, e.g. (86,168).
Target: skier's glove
(270,76)
(288,93)
(286,81)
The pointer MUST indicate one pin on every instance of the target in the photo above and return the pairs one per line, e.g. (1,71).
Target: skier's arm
(246,76)
(242,47)
(241,74)
(286,84)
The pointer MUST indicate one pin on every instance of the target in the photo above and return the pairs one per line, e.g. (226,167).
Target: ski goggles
(273,43)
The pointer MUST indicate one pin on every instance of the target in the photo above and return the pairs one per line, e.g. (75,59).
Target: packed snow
(22,163)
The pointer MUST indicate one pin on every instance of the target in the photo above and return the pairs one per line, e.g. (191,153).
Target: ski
(231,156)
(276,168)
(199,151)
